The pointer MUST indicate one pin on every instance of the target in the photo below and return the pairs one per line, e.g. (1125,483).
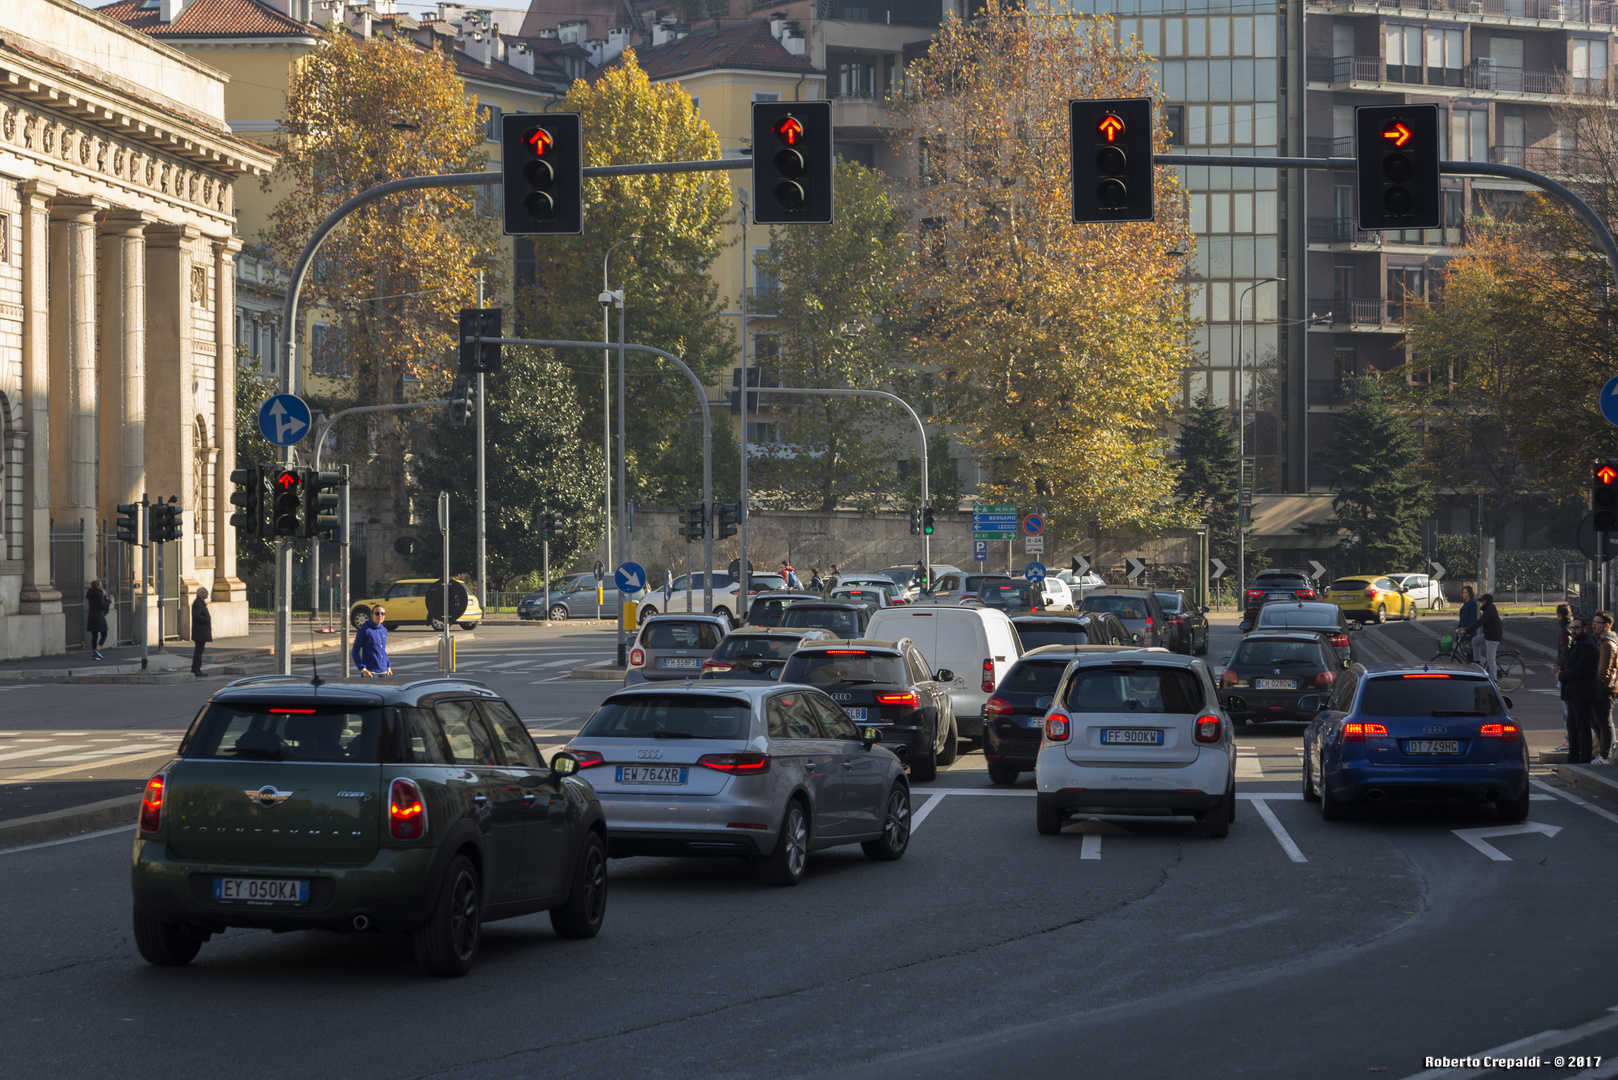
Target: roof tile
(208,18)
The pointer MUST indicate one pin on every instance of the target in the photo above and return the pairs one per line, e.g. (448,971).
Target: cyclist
(1466,620)
(1489,624)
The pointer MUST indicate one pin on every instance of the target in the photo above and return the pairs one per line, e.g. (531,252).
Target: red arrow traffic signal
(1397,133)
(1110,127)
(540,140)
(1606,474)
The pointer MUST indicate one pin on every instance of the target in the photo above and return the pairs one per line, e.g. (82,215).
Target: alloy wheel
(464,916)
(897,826)
(797,841)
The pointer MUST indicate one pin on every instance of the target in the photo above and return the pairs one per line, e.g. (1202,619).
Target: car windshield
(271,732)
(1125,607)
(670,716)
(1054,632)
(755,647)
(1034,677)
(680,635)
(1007,595)
(845,624)
(1430,695)
(1135,690)
(1170,601)
(834,666)
(1251,653)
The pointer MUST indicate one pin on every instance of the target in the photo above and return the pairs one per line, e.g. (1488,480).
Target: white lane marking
(560,663)
(1091,847)
(59,770)
(1524,1047)
(69,840)
(1248,767)
(1576,801)
(513,663)
(977,791)
(35,752)
(1475,837)
(926,808)
(1282,837)
(93,754)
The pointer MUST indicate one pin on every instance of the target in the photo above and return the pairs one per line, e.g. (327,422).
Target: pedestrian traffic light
(927,521)
(726,515)
(1111,143)
(1604,497)
(288,495)
(167,522)
(129,522)
(479,356)
(542,172)
(915,521)
(320,503)
(1396,148)
(249,495)
(460,402)
(792,162)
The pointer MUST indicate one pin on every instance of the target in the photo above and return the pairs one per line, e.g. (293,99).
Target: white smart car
(1136,733)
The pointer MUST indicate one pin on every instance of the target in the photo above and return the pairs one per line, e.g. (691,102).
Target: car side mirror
(564,763)
(944,675)
(1355,624)
(1311,702)
(1224,661)
(1344,662)
(1135,638)
(1205,609)
(1507,700)
(871,734)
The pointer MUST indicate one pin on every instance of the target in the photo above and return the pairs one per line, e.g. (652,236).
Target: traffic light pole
(342,571)
(483,553)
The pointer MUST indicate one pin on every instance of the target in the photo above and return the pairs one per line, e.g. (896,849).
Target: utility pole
(747,367)
(483,588)
(444,664)
(342,570)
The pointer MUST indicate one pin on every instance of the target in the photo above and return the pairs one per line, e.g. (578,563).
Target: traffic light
(167,522)
(288,507)
(542,171)
(1112,159)
(460,402)
(927,520)
(551,527)
(915,521)
(725,515)
(1397,154)
(319,503)
(479,356)
(249,495)
(792,163)
(129,522)
(1604,497)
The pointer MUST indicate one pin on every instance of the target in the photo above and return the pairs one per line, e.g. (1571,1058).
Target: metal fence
(67,578)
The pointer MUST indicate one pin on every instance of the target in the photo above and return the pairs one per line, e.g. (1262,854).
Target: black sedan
(1187,623)
(1278,676)
(844,618)
(1071,628)
(768,609)
(1014,718)
(886,684)
(757,654)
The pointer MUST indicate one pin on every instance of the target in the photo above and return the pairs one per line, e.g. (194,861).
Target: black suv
(1188,623)
(1276,585)
(1014,718)
(1072,628)
(768,609)
(844,618)
(1278,676)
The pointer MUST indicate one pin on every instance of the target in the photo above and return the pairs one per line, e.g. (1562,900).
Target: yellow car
(406,602)
(1372,598)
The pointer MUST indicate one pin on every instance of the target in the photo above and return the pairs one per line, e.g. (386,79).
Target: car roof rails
(252,679)
(446,679)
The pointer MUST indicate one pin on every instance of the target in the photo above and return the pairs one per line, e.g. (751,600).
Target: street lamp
(1241,430)
(609,299)
(606,404)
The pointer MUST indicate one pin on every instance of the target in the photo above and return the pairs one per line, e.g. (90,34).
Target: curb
(151,678)
(59,824)
(1589,778)
(600,674)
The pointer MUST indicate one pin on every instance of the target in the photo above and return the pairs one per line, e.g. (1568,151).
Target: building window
(489,116)
(1174,120)
(859,153)
(5,238)
(1342,283)
(766,95)
(1406,287)
(1469,135)
(1403,52)
(1444,59)
(525,262)
(325,351)
(1590,71)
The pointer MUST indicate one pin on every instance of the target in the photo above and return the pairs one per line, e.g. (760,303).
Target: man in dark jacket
(1492,631)
(96,607)
(1581,691)
(201,628)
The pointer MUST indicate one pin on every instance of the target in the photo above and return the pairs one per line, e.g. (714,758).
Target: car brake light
(716,665)
(1058,727)
(1303,594)
(1229,678)
(909,701)
(636,657)
(1207,729)
(1503,732)
(1357,732)
(988,675)
(747,764)
(407,813)
(151,803)
(846,652)
(1423,675)
(1326,678)
(997,707)
(587,759)
(1255,592)
(1370,594)
(1148,622)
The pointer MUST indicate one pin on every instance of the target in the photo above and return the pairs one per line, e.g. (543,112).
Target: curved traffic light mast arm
(325,429)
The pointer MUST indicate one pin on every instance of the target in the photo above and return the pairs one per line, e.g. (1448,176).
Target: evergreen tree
(1372,462)
(1206,448)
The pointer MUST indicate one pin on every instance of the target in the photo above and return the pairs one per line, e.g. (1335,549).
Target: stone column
(38,596)
(122,245)
(170,403)
(227,597)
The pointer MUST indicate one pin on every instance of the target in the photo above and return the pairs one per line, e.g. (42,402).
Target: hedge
(1539,570)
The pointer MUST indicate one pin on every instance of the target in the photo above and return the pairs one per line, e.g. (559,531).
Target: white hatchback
(1136,733)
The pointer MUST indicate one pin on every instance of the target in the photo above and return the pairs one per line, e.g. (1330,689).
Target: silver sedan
(767,772)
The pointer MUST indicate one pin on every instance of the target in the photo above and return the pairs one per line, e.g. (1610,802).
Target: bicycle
(1509,671)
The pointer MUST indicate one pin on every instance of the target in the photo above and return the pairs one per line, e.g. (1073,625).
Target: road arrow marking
(1319,570)
(1219,568)
(1136,567)
(1475,837)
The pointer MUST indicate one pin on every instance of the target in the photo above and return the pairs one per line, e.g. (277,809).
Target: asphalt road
(1122,948)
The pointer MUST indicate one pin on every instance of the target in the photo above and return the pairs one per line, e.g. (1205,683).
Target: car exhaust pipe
(901,751)
(1376,794)
(1491,795)
(361,923)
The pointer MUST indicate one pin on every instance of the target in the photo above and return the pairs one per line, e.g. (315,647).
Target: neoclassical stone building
(117,245)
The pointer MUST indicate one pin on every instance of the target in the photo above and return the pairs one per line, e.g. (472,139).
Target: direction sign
(284,419)
(1081,565)
(980,551)
(994,522)
(1136,567)
(1034,545)
(1318,570)
(1219,569)
(1034,571)
(1609,400)
(1438,570)
(630,578)
(1033,524)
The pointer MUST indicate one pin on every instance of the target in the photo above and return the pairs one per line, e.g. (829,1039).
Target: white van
(978,645)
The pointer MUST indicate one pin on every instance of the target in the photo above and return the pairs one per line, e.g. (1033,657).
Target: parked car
(405,604)
(977,645)
(1136,732)
(1014,718)
(769,608)
(1275,584)
(575,599)
(1137,609)
(887,682)
(1081,584)
(845,618)
(1187,623)
(1277,676)
(1058,595)
(297,807)
(1391,733)
(1371,598)
(875,595)
(1075,628)
(1426,592)
(757,654)
(673,647)
(1313,615)
(950,586)
(658,602)
(763,772)
(1009,595)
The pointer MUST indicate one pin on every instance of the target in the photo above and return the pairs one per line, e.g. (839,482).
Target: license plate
(853,713)
(1432,746)
(1279,596)
(651,774)
(1275,684)
(261,890)
(681,661)
(1132,736)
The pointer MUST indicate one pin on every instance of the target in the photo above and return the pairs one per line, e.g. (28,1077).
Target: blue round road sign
(1033,524)
(284,419)
(1034,571)
(630,577)
(1609,401)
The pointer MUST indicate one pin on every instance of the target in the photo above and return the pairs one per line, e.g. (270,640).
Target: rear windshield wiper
(676,735)
(1458,712)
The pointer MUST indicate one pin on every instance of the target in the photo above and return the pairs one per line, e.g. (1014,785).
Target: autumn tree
(359,112)
(1065,343)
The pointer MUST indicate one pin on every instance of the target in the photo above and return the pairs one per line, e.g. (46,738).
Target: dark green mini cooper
(422,809)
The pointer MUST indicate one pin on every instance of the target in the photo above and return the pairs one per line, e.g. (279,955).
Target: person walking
(96,606)
(370,652)
(201,628)
(815,584)
(1564,641)
(790,575)
(1466,620)
(836,576)
(1581,691)
(1607,678)
(1489,626)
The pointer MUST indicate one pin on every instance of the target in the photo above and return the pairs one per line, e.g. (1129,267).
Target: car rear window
(1125,607)
(868,595)
(1007,594)
(1142,689)
(771,609)
(845,624)
(1251,653)
(1055,632)
(297,732)
(1429,695)
(833,666)
(1274,617)
(755,647)
(680,635)
(669,716)
(1170,601)
(1034,676)
(1349,583)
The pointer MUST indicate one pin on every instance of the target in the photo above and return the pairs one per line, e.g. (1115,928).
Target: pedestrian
(1466,620)
(1564,641)
(1581,691)
(836,576)
(1607,677)
(1489,626)
(815,584)
(201,628)
(370,651)
(96,606)
(790,575)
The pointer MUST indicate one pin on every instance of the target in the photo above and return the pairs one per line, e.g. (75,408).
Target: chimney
(498,42)
(572,31)
(169,10)
(792,38)
(663,33)
(598,51)
(478,48)
(521,57)
(617,40)
(778,24)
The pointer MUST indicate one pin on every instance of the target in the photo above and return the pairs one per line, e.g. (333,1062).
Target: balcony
(1328,392)
(1321,146)
(1358,313)
(1343,231)
(1480,75)
(1575,11)
(864,111)
(763,301)
(1550,160)
(1339,230)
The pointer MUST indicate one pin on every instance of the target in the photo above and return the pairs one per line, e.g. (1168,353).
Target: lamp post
(1241,431)
(606,411)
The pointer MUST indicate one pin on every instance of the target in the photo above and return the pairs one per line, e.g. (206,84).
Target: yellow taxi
(1372,598)
(405,602)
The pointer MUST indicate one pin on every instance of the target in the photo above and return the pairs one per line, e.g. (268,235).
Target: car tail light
(1360,732)
(997,707)
(407,813)
(1229,678)
(151,803)
(1148,622)
(717,665)
(988,675)
(1503,732)
(587,759)
(1326,678)
(1370,594)
(1253,594)
(636,657)
(1207,729)
(1304,594)
(1339,641)
(1058,728)
(1424,675)
(747,764)
(909,701)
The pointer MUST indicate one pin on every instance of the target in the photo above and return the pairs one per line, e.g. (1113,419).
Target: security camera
(606,299)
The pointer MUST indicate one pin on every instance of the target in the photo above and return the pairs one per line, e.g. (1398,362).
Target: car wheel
(437,625)
(646,612)
(165,944)
(724,613)
(1331,807)
(359,616)
(924,765)
(558,613)
(586,905)
(1001,774)
(895,828)
(1309,792)
(1381,613)
(1048,819)
(1216,821)
(785,865)
(952,744)
(1513,809)
(1204,650)
(469,626)
(447,943)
